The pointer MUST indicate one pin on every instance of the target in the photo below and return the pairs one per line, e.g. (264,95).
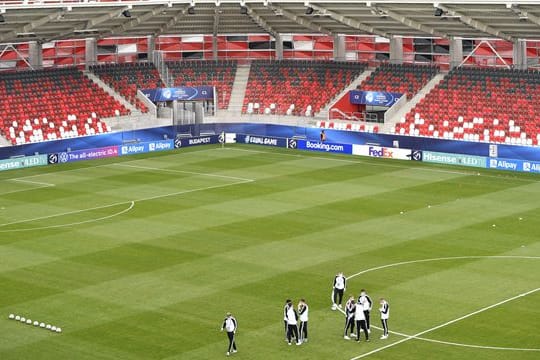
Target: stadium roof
(46,20)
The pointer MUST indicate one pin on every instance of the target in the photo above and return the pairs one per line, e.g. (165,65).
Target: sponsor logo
(160,146)
(292,144)
(380,152)
(200,141)
(52,159)
(261,140)
(177,143)
(527,166)
(416,155)
(23,162)
(493,163)
(221,138)
(63,157)
(315,145)
(454,159)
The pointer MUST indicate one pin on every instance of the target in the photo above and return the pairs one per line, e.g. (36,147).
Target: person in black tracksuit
(350,308)
(288,303)
(230,325)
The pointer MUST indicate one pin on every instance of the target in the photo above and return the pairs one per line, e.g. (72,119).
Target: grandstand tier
(51,104)
(400,78)
(127,78)
(479,104)
(220,74)
(296,87)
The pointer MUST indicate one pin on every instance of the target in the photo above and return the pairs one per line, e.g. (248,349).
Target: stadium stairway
(4,142)
(239,89)
(412,103)
(323,114)
(113,93)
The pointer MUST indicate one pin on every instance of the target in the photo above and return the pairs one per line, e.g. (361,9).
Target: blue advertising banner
(374,98)
(146,147)
(200,140)
(454,159)
(23,162)
(533,167)
(322,146)
(505,164)
(261,140)
(180,93)
(90,154)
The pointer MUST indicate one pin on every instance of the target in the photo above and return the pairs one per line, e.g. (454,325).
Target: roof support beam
(32,25)
(413,24)
(216,21)
(355,24)
(260,21)
(91,24)
(526,15)
(136,21)
(478,25)
(300,20)
(173,21)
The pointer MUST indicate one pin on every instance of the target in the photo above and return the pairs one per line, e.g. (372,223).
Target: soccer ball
(42,325)
(23,319)
(11,316)
(53,328)
(48,327)
(17,318)
(58,330)
(36,323)
(29,322)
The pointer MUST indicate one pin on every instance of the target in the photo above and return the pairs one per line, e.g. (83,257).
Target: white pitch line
(443,258)
(42,185)
(445,324)
(74,223)
(111,205)
(181,171)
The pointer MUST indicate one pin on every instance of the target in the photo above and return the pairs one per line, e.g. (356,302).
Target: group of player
(358,311)
(357,316)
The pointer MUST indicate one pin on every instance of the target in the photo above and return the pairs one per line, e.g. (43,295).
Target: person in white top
(340,285)
(292,324)
(385,315)
(360,319)
(366,302)
(303,310)
(230,325)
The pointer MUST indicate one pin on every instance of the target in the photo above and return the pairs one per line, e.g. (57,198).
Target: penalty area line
(417,335)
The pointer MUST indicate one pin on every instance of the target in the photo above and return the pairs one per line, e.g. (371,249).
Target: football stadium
(269,179)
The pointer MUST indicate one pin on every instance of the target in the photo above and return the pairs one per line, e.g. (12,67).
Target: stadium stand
(52,104)
(296,87)
(479,104)
(220,73)
(127,78)
(400,78)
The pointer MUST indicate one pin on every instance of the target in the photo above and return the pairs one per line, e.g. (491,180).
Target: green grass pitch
(140,257)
